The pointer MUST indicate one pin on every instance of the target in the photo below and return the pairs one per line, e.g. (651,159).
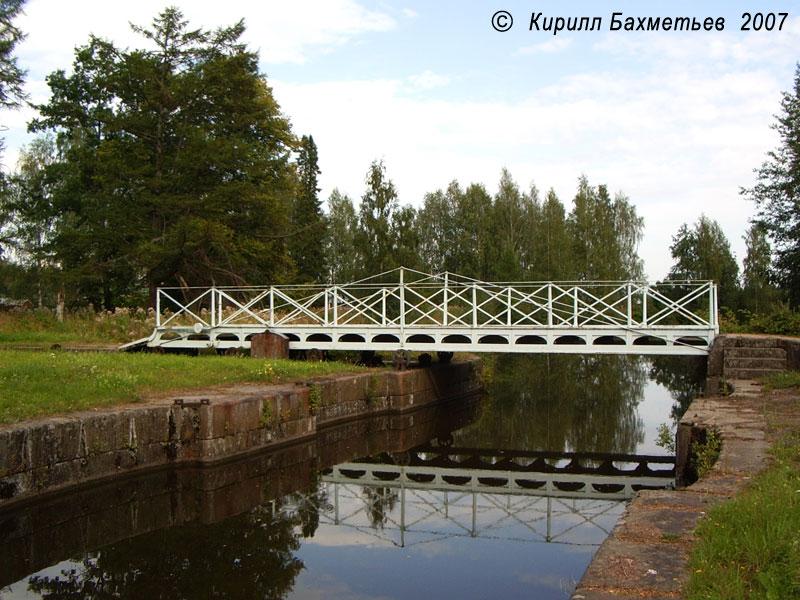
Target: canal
(470,499)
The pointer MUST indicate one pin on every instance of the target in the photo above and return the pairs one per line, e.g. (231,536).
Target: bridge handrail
(445,301)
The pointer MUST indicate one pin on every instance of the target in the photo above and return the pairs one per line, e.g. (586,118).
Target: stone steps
(751,352)
(755,363)
(751,342)
(750,373)
(753,358)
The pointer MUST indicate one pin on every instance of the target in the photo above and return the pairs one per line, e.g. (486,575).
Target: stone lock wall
(51,454)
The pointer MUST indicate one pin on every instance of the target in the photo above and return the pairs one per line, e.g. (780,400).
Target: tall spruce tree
(178,162)
(777,193)
(306,245)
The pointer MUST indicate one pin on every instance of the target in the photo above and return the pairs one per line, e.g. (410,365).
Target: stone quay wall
(47,455)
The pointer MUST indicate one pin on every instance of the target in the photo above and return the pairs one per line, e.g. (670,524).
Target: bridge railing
(445,301)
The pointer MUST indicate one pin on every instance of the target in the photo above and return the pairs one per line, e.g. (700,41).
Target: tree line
(173,165)
(513,235)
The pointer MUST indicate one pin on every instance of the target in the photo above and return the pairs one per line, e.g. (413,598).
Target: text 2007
(758,21)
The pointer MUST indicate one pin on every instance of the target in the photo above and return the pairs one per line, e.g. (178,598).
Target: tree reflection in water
(247,556)
(683,376)
(380,502)
(561,403)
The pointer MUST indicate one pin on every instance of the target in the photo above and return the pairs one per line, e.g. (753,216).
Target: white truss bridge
(412,311)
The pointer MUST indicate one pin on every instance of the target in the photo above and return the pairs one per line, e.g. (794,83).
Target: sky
(676,121)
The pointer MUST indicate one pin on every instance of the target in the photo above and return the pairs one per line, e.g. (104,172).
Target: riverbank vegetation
(749,547)
(36,384)
(80,327)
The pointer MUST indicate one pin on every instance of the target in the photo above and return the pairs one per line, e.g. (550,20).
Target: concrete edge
(647,552)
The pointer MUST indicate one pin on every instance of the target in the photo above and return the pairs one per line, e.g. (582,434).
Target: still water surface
(308,522)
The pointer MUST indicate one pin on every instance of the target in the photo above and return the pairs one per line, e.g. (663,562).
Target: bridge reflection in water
(432,493)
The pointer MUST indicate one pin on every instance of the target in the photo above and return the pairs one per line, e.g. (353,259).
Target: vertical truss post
(402,301)
(214,307)
(549,304)
(383,307)
(644,306)
(508,317)
(630,304)
(403,510)
(474,532)
(327,322)
(445,299)
(575,306)
(336,503)
(712,306)
(474,305)
(271,306)
(158,308)
(335,306)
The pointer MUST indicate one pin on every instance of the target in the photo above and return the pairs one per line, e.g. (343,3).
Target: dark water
(329,518)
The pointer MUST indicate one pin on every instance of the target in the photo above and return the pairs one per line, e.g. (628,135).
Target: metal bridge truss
(411,504)
(405,309)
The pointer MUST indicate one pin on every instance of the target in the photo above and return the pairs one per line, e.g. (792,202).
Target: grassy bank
(34,384)
(84,327)
(750,547)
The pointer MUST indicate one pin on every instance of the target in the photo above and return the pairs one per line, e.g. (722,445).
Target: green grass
(783,380)
(40,328)
(34,384)
(750,547)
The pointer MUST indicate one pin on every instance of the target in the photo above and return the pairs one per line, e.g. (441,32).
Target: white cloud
(709,49)
(549,47)
(428,79)
(678,145)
